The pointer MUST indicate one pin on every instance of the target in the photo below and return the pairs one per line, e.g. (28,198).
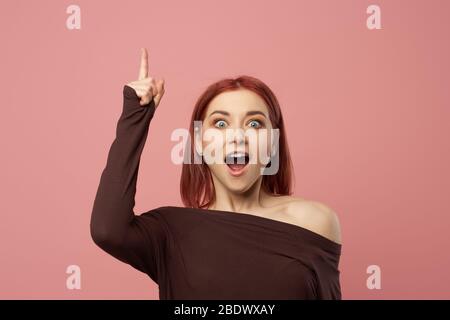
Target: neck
(230,200)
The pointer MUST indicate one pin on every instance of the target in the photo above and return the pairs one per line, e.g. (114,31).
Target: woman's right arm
(134,239)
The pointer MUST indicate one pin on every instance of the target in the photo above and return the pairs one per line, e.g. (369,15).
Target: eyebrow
(249,113)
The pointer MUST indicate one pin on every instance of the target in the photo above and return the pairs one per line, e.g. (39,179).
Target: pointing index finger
(143,70)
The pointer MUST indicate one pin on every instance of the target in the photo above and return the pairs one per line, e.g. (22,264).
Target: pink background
(367,114)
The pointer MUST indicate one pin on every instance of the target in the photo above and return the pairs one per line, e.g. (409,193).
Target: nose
(236,135)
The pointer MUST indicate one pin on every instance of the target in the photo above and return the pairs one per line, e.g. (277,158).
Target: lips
(237,162)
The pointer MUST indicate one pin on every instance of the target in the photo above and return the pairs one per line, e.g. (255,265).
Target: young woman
(241,235)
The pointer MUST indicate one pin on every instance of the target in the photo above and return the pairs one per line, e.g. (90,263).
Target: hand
(146,87)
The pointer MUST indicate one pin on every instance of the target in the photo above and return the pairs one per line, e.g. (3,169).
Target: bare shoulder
(315,216)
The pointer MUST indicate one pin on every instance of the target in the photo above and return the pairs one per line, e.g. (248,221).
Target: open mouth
(236,162)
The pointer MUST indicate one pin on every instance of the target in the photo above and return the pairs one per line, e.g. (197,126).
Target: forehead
(237,103)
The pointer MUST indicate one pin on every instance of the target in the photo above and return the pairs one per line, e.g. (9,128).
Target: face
(236,129)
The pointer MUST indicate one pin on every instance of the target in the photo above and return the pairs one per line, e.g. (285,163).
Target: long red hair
(196,184)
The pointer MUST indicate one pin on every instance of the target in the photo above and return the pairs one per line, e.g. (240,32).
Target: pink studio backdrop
(367,114)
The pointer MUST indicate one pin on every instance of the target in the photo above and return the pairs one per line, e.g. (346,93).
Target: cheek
(213,146)
(260,148)
(266,141)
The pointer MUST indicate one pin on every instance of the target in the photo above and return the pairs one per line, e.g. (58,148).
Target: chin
(236,189)
(238,184)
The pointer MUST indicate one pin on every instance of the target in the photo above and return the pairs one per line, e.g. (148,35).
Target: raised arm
(135,239)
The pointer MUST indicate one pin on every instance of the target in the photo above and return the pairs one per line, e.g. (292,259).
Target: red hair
(196,184)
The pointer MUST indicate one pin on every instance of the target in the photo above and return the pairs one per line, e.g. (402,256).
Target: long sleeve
(134,239)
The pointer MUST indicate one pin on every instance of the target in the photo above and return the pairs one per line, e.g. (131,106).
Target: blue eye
(257,124)
(220,124)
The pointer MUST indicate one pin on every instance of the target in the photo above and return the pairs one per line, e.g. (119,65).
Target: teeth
(236,155)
